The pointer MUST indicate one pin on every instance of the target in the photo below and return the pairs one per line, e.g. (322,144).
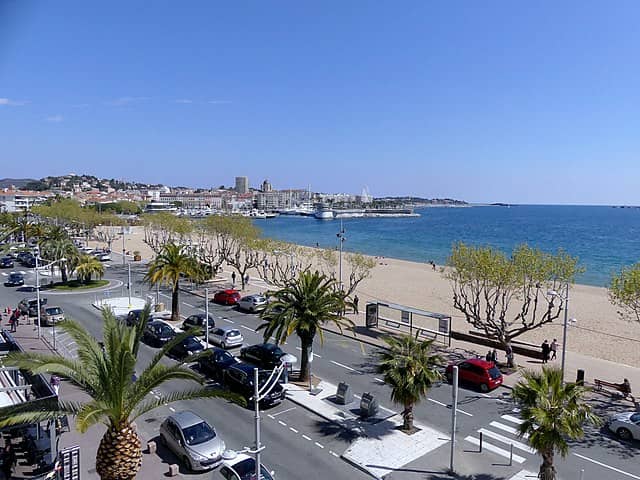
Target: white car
(253,303)
(104,257)
(226,337)
(240,466)
(626,425)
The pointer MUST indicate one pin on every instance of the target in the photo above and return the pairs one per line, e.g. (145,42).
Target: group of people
(549,350)
(14,318)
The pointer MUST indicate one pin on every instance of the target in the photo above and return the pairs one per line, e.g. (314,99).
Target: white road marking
(378,380)
(293,430)
(188,304)
(318,445)
(165,296)
(449,406)
(492,448)
(508,441)
(512,419)
(271,416)
(283,411)
(516,410)
(172,409)
(227,320)
(630,475)
(306,438)
(344,366)
(247,328)
(298,348)
(157,397)
(507,428)
(334,454)
(281,423)
(524,475)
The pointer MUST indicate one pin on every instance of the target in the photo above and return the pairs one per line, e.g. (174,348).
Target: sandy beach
(598,331)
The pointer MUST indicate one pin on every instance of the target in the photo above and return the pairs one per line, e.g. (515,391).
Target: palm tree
(304,306)
(57,245)
(410,368)
(553,412)
(116,400)
(87,267)
(172,262)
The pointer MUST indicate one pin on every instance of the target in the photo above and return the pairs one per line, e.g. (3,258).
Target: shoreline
(598,332)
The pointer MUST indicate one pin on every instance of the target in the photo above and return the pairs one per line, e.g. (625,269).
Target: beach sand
(598,331)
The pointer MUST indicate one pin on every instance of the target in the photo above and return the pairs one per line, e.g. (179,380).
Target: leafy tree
(303,307)
(624,292)
(409,366)
(116,401)
(172,262)
(87,267)
(553,412)
(508,296)
(163,228)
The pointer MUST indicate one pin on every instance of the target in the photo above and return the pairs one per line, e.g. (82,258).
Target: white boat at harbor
(348,212)
(323,212)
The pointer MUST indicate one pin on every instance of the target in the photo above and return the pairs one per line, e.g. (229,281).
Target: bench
(615,387)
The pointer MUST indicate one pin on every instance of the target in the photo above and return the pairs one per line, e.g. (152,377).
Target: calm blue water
(603,238)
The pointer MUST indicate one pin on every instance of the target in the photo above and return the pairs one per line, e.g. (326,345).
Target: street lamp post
(258,395)
(341,239)
(206,316)
(565,298)
(39,317)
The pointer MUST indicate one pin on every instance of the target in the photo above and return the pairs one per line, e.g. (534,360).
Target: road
(308,444)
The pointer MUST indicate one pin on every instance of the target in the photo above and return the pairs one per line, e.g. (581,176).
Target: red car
(475,371)
(227,297)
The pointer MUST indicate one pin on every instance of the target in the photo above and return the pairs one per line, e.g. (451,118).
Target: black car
(22,255)
(197,321)
(14,280)
(187,347)
(239,379)
(29,306)
(266,355)
(133,316)
(214,365)
(158,333)
(29,262)
(6,262)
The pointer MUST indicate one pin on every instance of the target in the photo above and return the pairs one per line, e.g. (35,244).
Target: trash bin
(580,377)
(368,405)
(344,395)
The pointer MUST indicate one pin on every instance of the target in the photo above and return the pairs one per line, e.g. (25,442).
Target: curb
(360,467)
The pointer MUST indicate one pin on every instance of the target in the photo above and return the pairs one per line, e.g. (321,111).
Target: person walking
(55,383)
(509,352)
(8,461)
(12,322)
(355,304)
(545,351)
(554,349)
(233,278)
(494,356)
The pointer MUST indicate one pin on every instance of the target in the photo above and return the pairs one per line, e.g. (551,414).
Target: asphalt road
(310,445)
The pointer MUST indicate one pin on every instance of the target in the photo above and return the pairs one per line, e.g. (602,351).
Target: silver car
(252,303)
(626,425)
(51,315)
(226,337)
(192,440)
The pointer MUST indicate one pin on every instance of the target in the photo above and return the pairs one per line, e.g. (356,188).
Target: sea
(605,239)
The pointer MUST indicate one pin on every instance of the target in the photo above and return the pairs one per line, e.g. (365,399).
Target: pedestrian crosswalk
(501,437)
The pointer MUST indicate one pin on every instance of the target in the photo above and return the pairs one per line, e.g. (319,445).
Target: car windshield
(635,418)
(494,372)
(165,331)
(246,470)
(199,433)
(192,343)
(54,311)
(15,276)
(233,333)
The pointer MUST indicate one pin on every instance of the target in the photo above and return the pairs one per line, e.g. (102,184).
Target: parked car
(29,262)
(22,255)
(214,365)
(226,337)
(227,297)
(253,303)
(14,280)
(197,321)
(239,379)
(187,347)
(103,257)
(133,316)
(51,315)
(477,372)
(192,440)
(625,425)
(266,355)
(158,333)
(6,262)
(29,306)
(243,467)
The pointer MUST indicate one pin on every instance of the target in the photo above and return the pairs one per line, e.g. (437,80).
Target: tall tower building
(242,185)
(266,186)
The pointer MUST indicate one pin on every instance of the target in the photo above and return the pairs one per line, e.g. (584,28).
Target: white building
(19,200)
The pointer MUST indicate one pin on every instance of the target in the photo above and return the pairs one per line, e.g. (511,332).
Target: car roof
(160,323)
(480,362)
(228,291)
(245,367)
(225,329)
(186,419)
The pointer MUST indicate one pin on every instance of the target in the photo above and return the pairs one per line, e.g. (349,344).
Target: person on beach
(554,349)
(545,351)
(355,304)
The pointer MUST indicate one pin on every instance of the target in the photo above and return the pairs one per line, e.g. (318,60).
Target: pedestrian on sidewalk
(509,352)
(55,383)
(13,322)
(246,279)
(545,351)
(355,304)
(233,278)
(554,349)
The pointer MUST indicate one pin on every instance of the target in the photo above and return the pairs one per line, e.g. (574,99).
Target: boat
(155,207)
(323,212)
(348,212)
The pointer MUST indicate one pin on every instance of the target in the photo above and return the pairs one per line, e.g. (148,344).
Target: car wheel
(484,388)
(187,463)
(624,433)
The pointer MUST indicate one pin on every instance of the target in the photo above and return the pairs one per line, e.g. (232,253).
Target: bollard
(511,455)
(582,474)
(480,451)
(173,470)
(152,447)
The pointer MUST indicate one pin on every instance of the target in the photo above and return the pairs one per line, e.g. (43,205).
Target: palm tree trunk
(119,455)
(407,417)
(63,272)
(304,358)
(175,306)
(547,469)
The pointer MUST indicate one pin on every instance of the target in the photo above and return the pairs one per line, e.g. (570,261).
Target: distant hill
(17,182)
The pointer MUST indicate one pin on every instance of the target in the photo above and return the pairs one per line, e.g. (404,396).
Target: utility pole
(454,411)
(38,292)
(123,249)
(206,313)
(564,330)
(129,282)
(256,401)
(341,240)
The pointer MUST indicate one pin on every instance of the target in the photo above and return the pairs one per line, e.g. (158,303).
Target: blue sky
(481,101)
